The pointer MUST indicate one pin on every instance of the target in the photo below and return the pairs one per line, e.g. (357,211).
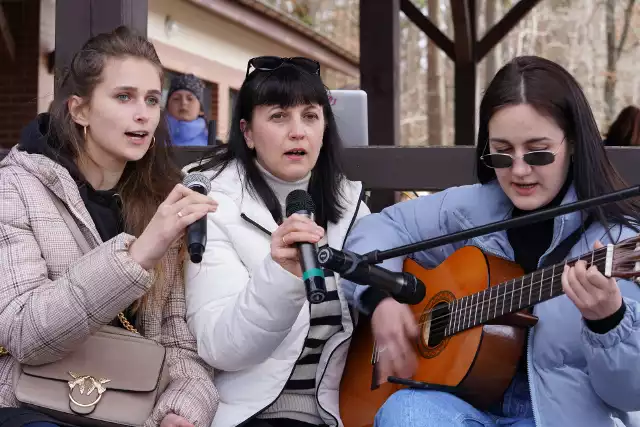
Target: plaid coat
(52,298)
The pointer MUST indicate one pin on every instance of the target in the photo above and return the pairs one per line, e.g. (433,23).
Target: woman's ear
(79,110)
(248,135)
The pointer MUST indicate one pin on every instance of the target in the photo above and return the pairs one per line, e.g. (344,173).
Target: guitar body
(479,362)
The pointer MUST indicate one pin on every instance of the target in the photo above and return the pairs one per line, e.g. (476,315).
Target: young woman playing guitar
(538,147)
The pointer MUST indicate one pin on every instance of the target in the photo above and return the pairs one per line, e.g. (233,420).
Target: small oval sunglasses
(532,158)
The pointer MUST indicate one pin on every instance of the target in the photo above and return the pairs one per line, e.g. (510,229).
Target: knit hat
(188,82)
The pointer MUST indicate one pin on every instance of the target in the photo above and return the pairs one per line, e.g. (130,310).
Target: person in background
(538,147)
(185,100)
(625,130)
(278,359)
(102,151)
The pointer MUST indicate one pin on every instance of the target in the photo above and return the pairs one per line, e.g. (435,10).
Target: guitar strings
(529,276)
(461,317)
(532,287)
(437,321)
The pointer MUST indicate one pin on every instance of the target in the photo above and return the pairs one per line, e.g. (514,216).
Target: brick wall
(19,77)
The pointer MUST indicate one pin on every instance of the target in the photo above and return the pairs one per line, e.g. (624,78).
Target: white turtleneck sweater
(298,399)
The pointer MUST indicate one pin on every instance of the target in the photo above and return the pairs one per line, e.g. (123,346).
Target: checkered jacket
(52,297)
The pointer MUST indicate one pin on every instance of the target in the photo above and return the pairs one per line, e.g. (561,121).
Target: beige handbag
(113,379)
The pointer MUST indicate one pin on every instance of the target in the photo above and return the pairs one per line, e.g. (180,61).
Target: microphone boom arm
(377,256)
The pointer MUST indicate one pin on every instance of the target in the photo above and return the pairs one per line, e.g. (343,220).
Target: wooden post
(79,20)
(464,23)
(379,77)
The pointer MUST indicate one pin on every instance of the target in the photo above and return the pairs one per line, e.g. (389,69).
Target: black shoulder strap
(561,251)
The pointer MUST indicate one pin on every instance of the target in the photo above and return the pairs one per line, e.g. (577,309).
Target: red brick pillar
(19,76)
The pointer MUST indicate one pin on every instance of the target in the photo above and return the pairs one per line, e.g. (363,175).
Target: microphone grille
(194,179)
(300,200)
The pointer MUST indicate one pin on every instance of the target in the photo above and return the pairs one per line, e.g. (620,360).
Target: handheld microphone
(197,232)
(403,287)
(300,202)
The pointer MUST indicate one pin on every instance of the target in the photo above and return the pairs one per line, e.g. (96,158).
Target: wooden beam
(379,76)
(464,23)
(504,26)
(463,14)
(7,37)
(427,168)
(411,168)
(272,28)
(427,27)
(79,20)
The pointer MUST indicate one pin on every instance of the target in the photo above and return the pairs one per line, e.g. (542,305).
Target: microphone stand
(377,256)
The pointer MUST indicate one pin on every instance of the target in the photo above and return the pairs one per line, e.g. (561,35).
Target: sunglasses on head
(270,63)
(532,158)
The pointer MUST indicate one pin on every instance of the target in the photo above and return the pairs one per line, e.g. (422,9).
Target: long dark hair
(145,183)
(287,86)
(625,130)
(553,92)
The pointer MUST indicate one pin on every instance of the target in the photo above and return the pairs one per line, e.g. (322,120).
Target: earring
(153,141)
(84,128)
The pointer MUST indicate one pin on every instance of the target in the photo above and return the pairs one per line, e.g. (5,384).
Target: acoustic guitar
(472,327)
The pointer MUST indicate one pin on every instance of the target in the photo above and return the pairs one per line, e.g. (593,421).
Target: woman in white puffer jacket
(278,359)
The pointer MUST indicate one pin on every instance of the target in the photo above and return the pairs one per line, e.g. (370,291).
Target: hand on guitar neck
(595,295)
(394,327)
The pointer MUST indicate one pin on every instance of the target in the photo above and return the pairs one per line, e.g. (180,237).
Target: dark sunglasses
(270,63)
(532,158)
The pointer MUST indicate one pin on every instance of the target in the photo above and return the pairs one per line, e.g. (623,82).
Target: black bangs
(287,86)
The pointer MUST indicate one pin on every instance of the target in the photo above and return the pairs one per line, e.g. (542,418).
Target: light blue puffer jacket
(576,377)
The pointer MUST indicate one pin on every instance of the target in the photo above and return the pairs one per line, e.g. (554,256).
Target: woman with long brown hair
(538,147)
(103,150)
(625,130)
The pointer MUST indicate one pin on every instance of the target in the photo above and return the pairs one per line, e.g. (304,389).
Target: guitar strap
(559,254)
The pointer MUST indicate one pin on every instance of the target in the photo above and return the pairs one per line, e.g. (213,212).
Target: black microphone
(300,202)
(197,232)
(403,287)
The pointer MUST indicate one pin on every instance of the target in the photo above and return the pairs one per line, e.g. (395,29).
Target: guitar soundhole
(439,320)
(433,323)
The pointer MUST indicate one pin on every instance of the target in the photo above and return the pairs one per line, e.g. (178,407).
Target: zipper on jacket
(529,338)
(534,407)
(353,220)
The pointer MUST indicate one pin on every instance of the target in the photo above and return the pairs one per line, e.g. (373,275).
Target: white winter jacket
(250,316)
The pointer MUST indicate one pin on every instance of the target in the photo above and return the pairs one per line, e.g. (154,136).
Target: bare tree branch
(628,13)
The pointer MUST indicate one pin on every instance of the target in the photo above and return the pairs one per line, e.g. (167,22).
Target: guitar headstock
(626,259)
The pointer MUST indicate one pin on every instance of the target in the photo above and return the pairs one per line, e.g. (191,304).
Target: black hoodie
(104,206)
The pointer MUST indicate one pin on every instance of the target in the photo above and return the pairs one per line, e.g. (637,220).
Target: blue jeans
(427,408)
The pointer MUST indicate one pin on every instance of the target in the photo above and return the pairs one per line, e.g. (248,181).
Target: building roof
(296,24)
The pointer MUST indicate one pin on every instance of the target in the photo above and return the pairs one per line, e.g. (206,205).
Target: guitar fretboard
(512,296)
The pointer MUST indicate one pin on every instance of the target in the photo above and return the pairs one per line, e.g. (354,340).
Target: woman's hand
(173,420)
(595,295)
(181,208)
(294,229)
(394,327)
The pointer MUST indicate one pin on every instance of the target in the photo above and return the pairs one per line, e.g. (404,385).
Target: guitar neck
(513,295)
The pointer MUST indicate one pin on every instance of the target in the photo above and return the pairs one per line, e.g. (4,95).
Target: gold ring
(284,241)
